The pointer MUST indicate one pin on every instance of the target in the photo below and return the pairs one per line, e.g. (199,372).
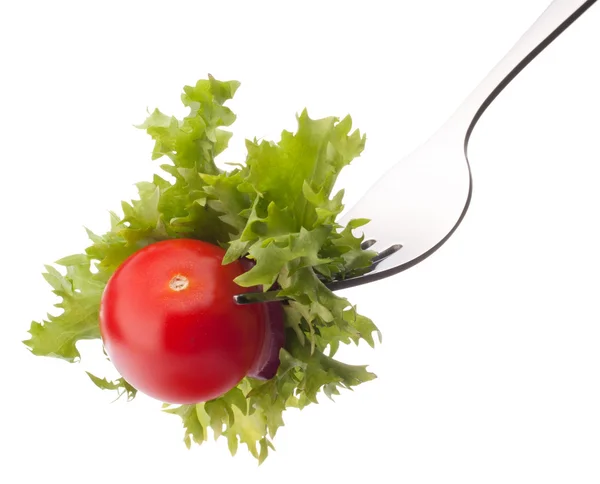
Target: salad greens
(276,208)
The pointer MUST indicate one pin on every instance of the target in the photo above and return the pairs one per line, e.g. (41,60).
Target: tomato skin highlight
(171,327)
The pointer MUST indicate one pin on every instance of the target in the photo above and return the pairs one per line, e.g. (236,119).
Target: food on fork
(158,288)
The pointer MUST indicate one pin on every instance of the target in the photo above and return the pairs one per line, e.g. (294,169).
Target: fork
(432,187)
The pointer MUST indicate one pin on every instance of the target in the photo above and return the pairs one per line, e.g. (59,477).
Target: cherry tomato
(171,327)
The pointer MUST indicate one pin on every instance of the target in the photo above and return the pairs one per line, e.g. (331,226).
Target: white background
(490,367)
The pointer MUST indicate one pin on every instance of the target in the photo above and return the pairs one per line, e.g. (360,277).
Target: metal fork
(432,187)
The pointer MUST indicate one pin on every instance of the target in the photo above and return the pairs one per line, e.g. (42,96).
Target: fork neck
(559,15)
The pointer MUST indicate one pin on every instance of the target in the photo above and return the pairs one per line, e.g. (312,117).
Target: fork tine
(384,254)
(367,243)
(258,297)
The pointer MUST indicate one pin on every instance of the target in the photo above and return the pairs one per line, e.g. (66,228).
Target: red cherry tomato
(171,327)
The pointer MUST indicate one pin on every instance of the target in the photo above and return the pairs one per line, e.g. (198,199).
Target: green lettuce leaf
(120,385)
(278,209)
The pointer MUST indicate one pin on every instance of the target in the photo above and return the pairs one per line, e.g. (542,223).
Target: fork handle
(559,15)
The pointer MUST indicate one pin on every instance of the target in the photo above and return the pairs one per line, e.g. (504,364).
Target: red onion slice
(267,362)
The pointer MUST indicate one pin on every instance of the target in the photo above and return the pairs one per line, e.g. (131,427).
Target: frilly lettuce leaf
(277,208)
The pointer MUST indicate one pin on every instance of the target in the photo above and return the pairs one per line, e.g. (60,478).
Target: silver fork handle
(559,15)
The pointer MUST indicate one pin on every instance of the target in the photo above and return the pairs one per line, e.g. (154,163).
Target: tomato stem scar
(179,283)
